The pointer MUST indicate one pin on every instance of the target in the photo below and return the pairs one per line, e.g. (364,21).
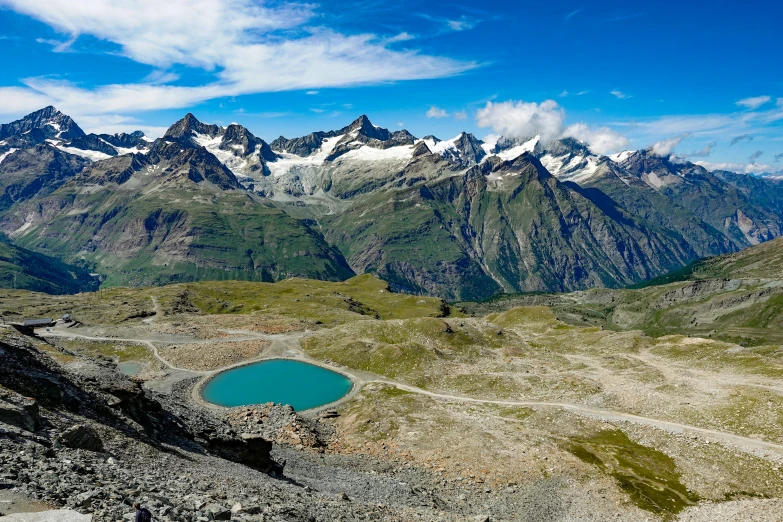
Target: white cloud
(57,45)
(462,24)
(667,146)
(522,119)
(158,77)
(18,100)
(752,168)
(780,102)
(311,93)
(619,94)
(437,113)
(402,37)
(601,140)
(754,102)
(461,115)
(318,111)
(250,48)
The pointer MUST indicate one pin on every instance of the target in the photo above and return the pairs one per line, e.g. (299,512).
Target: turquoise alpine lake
(129,368)
(281,381)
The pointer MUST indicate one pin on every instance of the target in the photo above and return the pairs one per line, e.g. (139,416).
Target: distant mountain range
(460,218)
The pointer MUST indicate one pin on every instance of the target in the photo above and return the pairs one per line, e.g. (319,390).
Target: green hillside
(25,270)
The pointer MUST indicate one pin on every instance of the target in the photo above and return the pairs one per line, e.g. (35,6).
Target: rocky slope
(82,436)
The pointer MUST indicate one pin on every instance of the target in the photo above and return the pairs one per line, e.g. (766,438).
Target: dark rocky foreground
(83,436)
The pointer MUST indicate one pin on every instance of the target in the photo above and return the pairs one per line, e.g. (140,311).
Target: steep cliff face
(507,226)
(40,169)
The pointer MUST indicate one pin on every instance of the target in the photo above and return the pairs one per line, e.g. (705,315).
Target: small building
(38,323)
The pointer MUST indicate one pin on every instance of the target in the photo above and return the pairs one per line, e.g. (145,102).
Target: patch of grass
(363,297)
(119,351)
(516,412)
(650,477)
(718,356)
(310,301)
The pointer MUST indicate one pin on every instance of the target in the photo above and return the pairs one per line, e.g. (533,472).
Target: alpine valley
(460,219)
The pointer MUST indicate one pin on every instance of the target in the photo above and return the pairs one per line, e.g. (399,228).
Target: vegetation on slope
(309,301)
(26,270)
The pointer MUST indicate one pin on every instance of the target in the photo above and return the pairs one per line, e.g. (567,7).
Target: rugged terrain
(456,414)
(460,219)
(736,298)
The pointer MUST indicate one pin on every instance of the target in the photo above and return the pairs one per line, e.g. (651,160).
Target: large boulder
(253,451)
(81,437)
(20,412)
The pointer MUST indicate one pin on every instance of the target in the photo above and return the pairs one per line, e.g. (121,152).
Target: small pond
(129,368)
(283,381)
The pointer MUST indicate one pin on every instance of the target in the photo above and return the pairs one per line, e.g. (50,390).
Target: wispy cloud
(160,77)
(778,157)
(750,168)
(317,111)
(706,151)
(312,93)
(461,115)
(448,25)
(463,23)
(755,102)
(756,155)
(437,113)
(667,146)
(57,45)
(742,137)
(573,13)
(565,93)
(401,37)
(244,37)
(621,95)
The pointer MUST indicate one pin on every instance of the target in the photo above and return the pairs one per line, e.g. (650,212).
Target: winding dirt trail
(158,311)
(287,346)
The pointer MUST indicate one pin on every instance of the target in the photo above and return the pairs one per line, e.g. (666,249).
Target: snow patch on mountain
(236,164)
(5,154)
(441,146)
(621,156)
(92,155)
(517,151)
(366,153)
(288,162)
(578,169)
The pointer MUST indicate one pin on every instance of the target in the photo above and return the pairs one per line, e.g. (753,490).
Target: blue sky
(698,79)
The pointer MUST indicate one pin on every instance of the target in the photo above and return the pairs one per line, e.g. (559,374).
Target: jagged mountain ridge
(50,126)
(590,221)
